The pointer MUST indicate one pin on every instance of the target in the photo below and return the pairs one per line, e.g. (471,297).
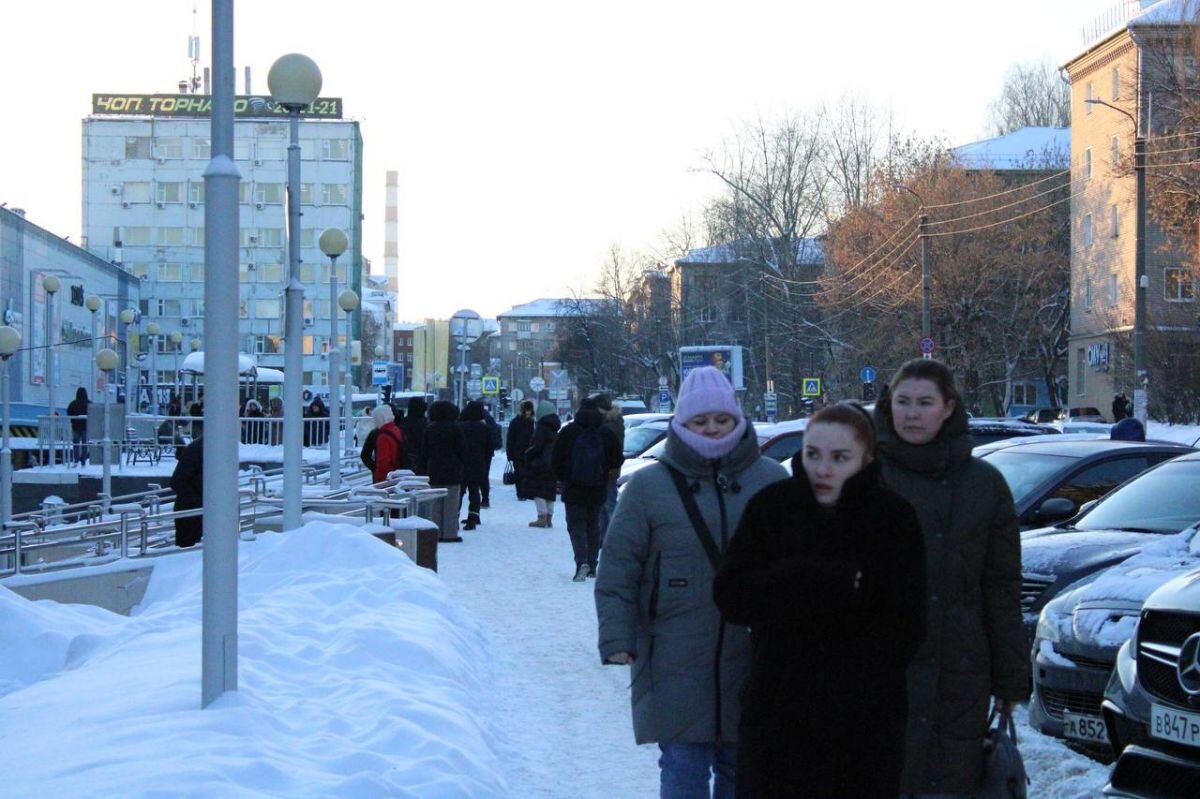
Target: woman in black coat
(413,426)
(477,452)
(520,436)
(187,481)
(540,482)
(828,571)
(442,451)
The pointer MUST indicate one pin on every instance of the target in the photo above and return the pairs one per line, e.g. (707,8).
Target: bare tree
(1034,95)
(857,138)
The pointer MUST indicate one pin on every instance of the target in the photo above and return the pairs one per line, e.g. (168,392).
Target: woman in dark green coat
(975,650)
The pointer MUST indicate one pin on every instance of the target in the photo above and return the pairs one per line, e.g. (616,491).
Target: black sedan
(1052,479)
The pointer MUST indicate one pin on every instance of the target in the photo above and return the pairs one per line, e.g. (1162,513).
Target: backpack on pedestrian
(587,458)
(396,436)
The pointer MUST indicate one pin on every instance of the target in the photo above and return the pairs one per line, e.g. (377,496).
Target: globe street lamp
(333,242)
(152,330)
(128,317)
(107,360)
(93,304)
(10,342)
(348,301)
(294,81)
(51,285)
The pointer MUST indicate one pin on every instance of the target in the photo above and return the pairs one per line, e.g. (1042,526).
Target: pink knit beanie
(707,390)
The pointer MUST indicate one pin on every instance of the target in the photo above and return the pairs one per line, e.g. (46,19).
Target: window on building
(136,192)
(1178,284)
(198,236)
(201,148)
(168,147)
(196,271)
(270,237)
(535,327)
(170,192)
(308,150)
(137,236)
(308,273)
(1080,371)
(161,308)
(1114,220)
(1087,95)
(512,346)
(1024,394)
(246,272)
(333,193)
(308,345)
(1087,294)
(270,273)
(1087,230)
(308,237)
(196,192)
(335,150)
(271,151)
(172,236)
(266,309)
(1087,164)
(1116,83)
(1113,289)
(138,147)
(241,149)
(269,193)
(243,309)
(306,194)
(171,272)
(1114,155)
(524,326)
(548,327)
(138,269)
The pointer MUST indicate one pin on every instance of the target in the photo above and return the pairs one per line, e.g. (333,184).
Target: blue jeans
(688,767)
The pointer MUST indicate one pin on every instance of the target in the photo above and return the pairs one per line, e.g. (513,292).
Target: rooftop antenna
(193,83)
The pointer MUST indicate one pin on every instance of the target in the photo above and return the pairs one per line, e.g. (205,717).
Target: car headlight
(1047,626)
(1126,670)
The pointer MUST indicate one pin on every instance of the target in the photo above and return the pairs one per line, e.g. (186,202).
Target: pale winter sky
(529,136)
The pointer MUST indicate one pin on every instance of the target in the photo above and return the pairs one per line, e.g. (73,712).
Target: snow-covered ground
(360,675)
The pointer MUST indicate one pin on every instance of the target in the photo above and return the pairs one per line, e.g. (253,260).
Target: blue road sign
(490,384)
(867,375)
(928,346)
(812,387)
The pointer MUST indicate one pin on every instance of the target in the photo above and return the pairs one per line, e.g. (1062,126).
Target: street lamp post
(51,284)
(295,82)
(1141,376)
(10,342)
(128,317)
(176,339)
(924,234)
(333,242)
(348,301)
(107,360)
(93,303)
(464,317)
(152,330)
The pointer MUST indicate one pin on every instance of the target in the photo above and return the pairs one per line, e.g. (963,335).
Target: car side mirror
(1056,509)
(1087,506)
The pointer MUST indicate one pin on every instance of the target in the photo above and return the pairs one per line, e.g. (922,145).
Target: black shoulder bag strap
(693,512)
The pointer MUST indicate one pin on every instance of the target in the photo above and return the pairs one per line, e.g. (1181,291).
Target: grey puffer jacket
(975,647)
(654,594)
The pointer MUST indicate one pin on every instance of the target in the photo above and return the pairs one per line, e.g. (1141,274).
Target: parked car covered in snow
(1161,501)
(640,438)
(1080,631)
(1150,707)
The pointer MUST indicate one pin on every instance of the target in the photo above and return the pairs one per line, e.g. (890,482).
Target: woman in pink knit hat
(654,599)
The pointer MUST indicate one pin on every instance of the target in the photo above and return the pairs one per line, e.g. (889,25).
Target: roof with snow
(554,308)
(808,251)
(1024,148)
(1129,14)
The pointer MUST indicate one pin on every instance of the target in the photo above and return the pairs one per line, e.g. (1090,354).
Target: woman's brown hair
(851,415)
(935,372)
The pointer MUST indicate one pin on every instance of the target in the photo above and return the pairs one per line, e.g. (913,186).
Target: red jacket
(389,451)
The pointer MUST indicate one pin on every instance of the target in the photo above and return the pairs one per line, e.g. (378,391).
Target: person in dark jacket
(1128,429)
(442,454)
(496,441)
(77,409)
(477,448)
(827,570)
(583,501)
(187,481)
(520,435)
(413,427)
(614,422)
(1121,407)
(316,425)
(654,599)
(540,482)
(975,652)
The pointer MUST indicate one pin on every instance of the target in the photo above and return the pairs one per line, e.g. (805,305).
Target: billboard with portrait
(726,357)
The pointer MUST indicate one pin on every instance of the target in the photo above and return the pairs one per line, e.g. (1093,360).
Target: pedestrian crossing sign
(490,384)
(812,387)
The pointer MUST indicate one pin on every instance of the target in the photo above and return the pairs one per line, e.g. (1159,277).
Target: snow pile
(358,677)
(1178,433)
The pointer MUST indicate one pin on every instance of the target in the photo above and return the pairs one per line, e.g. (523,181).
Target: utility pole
(924,277)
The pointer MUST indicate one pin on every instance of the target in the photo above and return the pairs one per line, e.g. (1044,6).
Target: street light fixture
(1141,377)
(348,302)
(93,303)
(10,342)
(333,242)
(51,284)
(464,317)
(295,82)
(128,317)
(107,360)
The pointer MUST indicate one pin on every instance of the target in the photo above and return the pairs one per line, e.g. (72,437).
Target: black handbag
(1004,775)
(510,474)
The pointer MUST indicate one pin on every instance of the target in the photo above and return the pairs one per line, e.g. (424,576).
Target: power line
(1060,187)
(1006,221)
(1022,187)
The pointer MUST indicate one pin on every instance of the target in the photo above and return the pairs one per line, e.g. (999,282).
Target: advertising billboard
(726,357)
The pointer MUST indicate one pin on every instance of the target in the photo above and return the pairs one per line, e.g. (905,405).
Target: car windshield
(1164,500)
(1025,471)
(640,437)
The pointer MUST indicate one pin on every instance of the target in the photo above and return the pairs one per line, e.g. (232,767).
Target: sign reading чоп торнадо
(200,105)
